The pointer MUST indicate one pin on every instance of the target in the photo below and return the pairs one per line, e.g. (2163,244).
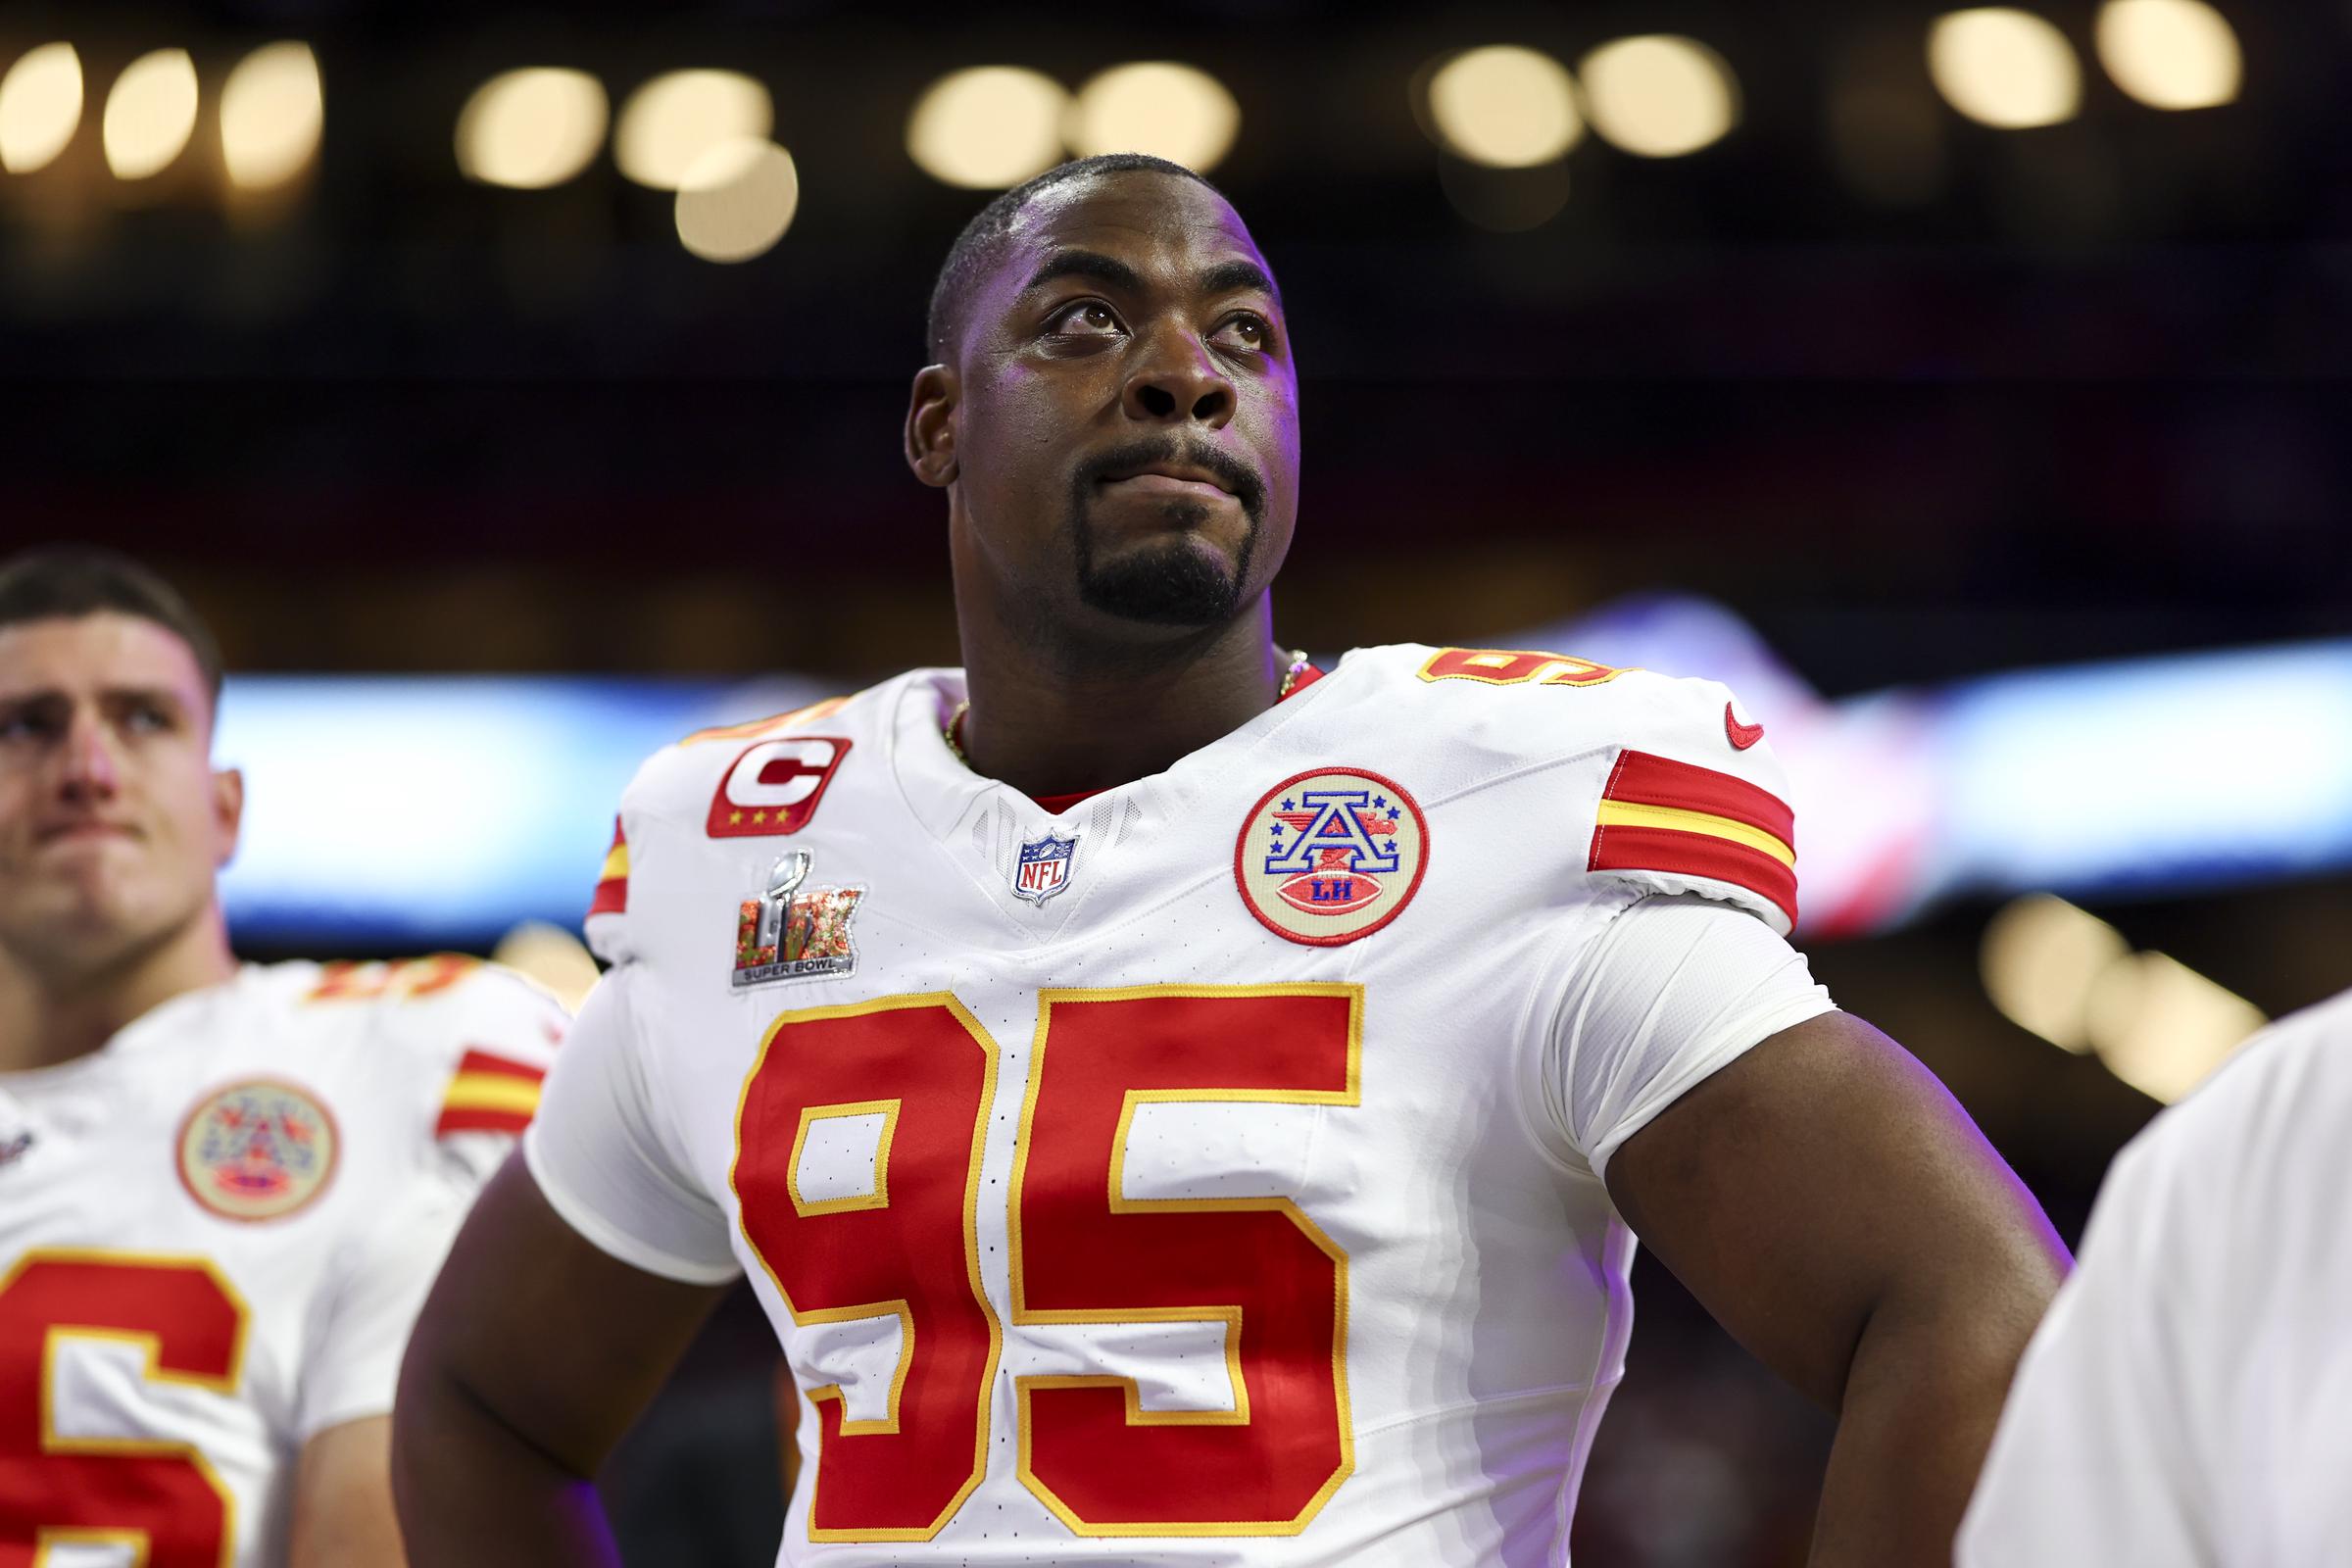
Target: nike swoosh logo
(1742,736)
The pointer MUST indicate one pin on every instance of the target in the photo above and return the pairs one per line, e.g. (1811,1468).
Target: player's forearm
(1921,1401)
(472,1491)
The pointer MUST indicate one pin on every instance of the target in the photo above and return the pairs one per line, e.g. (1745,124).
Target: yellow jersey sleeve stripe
(482,1090)
(1627,813)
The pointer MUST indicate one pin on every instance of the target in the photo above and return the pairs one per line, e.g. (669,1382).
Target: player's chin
(1185,580)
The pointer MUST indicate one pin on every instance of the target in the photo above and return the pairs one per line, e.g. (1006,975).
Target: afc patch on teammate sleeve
(1679,820)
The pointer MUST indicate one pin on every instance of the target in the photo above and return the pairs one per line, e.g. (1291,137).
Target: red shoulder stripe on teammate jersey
(1658,815)
(489,1093)
(613,884)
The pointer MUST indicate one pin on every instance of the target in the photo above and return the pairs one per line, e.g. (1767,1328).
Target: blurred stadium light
(149,113)
(2006,67)
(2069,977)
(988,127)
(2161,1027)
(272,111)
(532,128)
(1659,96)
(737,199)
(2042,956)
(1160,107)
(2170,54)
(40,106)
(1504,106)
(2067,780)
(679,116)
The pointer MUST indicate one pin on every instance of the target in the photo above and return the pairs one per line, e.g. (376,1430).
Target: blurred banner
(417,812)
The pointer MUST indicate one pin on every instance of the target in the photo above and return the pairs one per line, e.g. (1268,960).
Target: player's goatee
(1172,582)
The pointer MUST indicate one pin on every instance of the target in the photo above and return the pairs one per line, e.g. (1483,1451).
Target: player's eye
(1246,330)
(29,724)
(146,718)
(1084,318)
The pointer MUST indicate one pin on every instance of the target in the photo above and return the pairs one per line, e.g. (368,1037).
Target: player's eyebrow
(1237,275)
(1085,264)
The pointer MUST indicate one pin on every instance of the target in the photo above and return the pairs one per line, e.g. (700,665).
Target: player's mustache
(1231,471)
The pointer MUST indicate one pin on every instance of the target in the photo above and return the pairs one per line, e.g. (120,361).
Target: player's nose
(1175,381)
(87,766)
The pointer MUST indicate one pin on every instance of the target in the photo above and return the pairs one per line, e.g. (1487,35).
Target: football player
(1179,1106)
(2182,1405)
(224,1191)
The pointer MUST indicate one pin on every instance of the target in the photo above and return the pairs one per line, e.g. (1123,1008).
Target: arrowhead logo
(1742,736)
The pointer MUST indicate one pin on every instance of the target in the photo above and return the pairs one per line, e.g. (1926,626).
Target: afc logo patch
(1331,855)
(774,787)
(259,1150)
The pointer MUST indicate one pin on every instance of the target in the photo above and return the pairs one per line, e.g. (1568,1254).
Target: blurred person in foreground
(2184,1403)
(1179,1105)
(224,1191)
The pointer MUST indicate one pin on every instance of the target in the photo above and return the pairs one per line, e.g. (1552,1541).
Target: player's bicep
(551,1336)
(1821,1178)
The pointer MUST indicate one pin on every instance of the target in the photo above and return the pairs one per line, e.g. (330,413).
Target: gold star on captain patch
(759,817)
(733,817)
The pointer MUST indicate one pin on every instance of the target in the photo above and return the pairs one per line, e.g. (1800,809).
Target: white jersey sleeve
(606,1157)
(1672,989)
(2183,1402)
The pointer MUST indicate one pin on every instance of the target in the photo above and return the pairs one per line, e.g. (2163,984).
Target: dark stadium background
(1915,398)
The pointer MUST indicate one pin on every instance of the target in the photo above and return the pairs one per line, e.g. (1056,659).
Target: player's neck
(46,1020)
(1046,727)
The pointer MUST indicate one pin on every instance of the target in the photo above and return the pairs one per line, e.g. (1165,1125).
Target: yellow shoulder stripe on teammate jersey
(617,861)
(489,1091)
(1628,813)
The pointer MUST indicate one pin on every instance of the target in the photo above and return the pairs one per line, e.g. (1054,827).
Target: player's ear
(229,812)
(931,426)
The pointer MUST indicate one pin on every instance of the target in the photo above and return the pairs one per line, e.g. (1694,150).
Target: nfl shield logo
(1043,868)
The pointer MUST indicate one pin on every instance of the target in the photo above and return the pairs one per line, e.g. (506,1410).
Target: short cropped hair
(975,249)
(69,581)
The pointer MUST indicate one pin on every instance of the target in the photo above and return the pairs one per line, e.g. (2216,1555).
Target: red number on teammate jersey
(1500,666)
(1082,1253)
(159,1499)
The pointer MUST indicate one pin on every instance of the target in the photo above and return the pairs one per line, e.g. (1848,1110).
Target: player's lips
(83,830)
(1169,479)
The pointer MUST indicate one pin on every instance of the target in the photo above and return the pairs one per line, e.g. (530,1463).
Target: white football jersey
(1209,1173)
(2184,1403)
(215,1233)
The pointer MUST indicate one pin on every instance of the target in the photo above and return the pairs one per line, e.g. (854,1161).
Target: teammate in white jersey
(1211,1124)
(224,1191)
(2182,1405)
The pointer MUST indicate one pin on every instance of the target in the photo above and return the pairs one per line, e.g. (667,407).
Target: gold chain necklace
(947,732)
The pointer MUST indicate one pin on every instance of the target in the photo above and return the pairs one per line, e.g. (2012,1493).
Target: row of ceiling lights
(707,134)
(270,112)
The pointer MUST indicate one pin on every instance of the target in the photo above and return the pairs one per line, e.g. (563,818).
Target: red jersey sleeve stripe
(479,1060)
(481,1121)
(1643,779)
(1676,853)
